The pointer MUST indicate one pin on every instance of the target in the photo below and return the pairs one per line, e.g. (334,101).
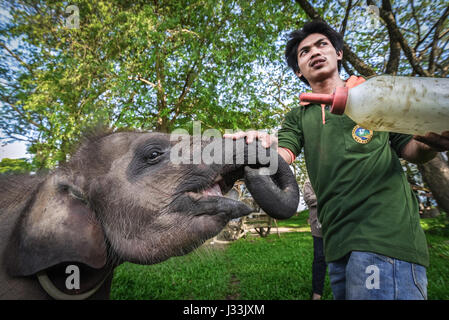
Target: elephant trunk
(268,177)
(276,194)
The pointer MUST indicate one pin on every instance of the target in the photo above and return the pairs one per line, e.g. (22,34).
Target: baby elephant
(122,197)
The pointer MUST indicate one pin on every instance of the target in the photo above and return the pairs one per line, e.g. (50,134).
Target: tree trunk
(162,125)
(436,174)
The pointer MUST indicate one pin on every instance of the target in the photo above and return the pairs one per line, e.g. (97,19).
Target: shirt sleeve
(398,141)
(290,135)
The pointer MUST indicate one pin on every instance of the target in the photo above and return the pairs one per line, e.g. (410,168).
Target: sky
(17,149)
(13,151)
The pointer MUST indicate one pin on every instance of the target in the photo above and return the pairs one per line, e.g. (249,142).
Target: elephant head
(120,197)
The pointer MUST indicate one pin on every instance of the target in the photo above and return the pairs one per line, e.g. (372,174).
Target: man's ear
(57,226)
(339,55)
(298,74)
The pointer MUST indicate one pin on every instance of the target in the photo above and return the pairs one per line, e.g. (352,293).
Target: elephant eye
(153,155)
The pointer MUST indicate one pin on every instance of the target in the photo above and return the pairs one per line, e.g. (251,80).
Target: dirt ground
(274,230)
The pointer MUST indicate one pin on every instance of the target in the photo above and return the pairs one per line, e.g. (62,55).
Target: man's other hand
(436,142)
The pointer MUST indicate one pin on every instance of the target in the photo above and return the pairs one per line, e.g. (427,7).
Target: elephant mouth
(227,178)
(217,186)
(223,182)
(214,191)
(208,198)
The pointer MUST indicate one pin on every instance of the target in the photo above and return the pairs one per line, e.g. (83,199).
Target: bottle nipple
(337,100)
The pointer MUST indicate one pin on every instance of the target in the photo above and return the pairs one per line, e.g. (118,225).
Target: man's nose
(315,53)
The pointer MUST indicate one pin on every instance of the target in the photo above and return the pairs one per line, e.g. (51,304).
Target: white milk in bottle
(395,104)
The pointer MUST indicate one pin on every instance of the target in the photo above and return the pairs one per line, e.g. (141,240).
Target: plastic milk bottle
(395,104)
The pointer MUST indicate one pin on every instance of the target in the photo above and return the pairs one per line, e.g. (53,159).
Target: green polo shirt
(365,202)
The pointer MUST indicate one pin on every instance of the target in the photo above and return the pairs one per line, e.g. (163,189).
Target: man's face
(317,58)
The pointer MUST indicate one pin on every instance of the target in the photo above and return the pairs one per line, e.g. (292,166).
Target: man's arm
(421,149)
(289,157)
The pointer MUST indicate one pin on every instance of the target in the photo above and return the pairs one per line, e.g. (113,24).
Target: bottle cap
(337,100)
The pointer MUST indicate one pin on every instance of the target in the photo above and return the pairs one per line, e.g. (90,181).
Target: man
(373,242)
(319,265)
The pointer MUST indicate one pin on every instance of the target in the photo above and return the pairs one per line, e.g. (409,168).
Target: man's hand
(265,139)
(421,149)
(436,142)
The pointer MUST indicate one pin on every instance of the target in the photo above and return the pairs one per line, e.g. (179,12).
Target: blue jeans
(371,276)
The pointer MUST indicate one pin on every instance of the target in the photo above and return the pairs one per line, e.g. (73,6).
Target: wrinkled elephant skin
(119,198)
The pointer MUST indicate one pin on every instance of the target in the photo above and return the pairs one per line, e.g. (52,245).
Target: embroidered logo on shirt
(362,135)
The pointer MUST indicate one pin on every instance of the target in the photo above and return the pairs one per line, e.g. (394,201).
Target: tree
(160,65)
(155,65)
(416,36)
(14,166)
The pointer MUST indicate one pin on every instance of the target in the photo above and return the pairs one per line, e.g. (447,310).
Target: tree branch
(348,69)
(23,115)
(146,113)
(418,24)
(15,56)
(438,29)
(445,32)
(395,46)
(139,78)
(361,67)
(422,51)
(187,85)
(388,17)
(11,135)
(345,19)
(309,10)
(442,48)
(129,101)
(427,34)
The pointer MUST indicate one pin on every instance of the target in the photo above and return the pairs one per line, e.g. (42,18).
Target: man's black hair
(295,38)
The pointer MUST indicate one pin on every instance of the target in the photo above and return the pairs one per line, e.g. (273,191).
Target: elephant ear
(57,226)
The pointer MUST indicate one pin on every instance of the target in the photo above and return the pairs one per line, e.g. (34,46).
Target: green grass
(297,221)
(274,267)
(199,275)
(259,268)
(437,234)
